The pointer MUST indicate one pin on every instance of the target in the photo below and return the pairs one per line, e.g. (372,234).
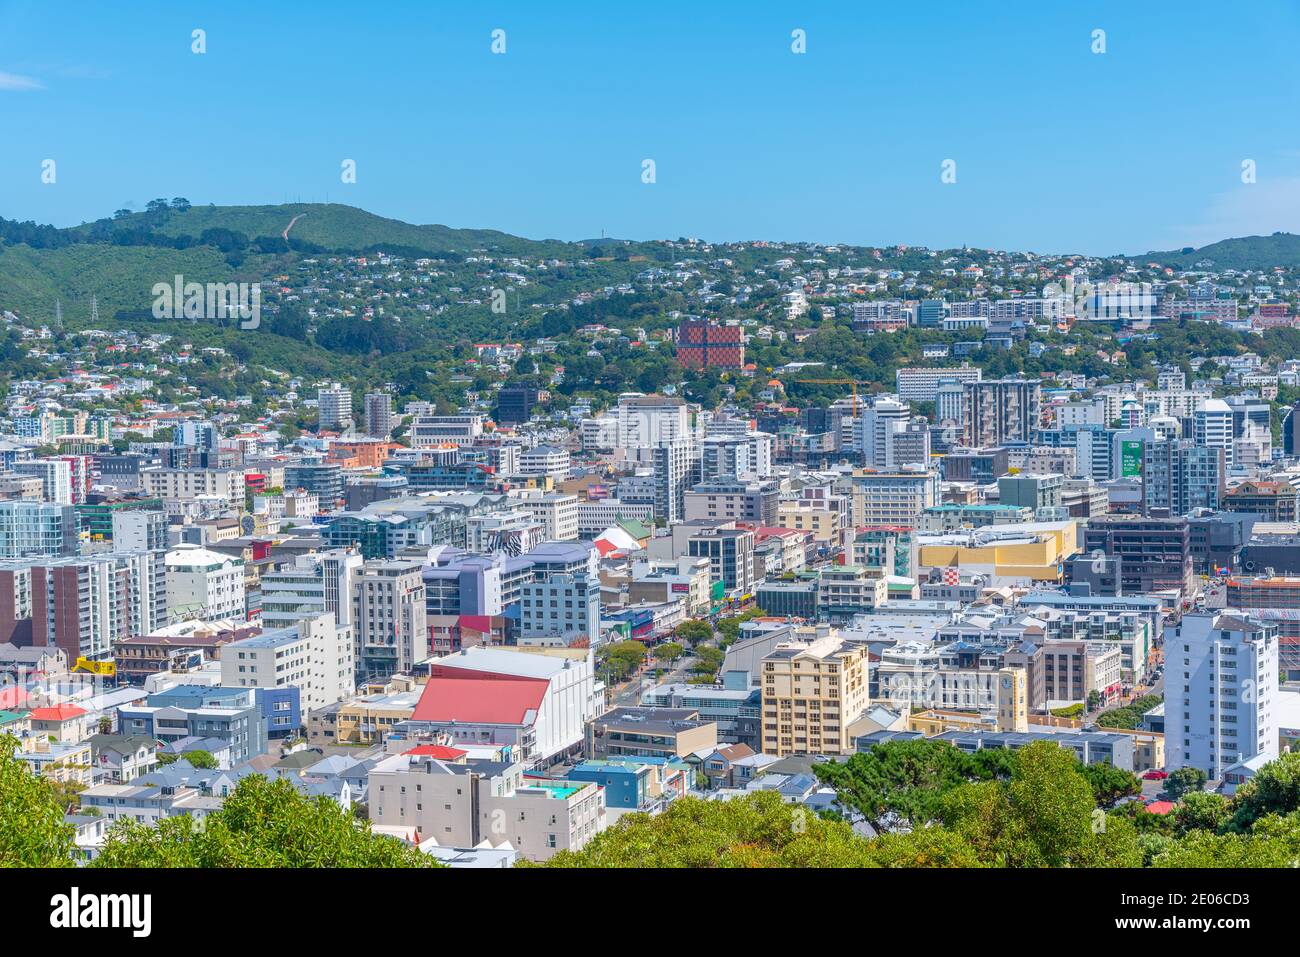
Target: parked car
(1155,775)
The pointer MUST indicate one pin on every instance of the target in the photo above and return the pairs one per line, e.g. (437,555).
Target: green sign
(1130,459)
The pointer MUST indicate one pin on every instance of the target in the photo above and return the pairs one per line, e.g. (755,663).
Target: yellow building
(812,692)
(368,720)
(1033,550)
(824,523)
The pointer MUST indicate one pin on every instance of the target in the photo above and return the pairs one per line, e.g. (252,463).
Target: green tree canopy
(33,832)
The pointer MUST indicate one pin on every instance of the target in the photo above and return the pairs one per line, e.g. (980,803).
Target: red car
(1155,776)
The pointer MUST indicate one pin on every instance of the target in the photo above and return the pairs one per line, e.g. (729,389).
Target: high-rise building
(1221,673)
(875,426)
(30,529)
(334,404)
(1212,427)
(379,414)
(515,404)
(82,605)
(55,476)
(671,465)
(998,411)
(1179,475)
(389,618)
(648,421)
(312,584)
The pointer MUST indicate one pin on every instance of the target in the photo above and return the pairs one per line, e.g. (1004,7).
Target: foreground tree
(1184,781)
(758,830)
(262,823)
(906,781)
(1110,783)
(1275,789)
(33,832)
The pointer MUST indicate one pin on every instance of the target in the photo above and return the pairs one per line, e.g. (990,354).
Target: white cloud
(14,82)
(1250,209)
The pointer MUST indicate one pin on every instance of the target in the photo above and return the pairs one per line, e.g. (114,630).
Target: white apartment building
(1212,428)
(225,484)
(55,476)
(549,461)
(1221,678)
(648,421)
(599,434)
(555,511)
(922,384)
(204,584)
(428,430)
(314,655)
(334,405)
(314,583)
(595,517)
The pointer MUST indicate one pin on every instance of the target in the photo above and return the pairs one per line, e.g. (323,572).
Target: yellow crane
(106,669)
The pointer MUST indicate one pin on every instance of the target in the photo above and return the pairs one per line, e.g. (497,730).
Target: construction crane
(853,382)
(106,669)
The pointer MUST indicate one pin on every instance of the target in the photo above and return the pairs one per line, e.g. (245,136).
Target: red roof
(1161,807)
(63,712)
(480,700)
(437,751)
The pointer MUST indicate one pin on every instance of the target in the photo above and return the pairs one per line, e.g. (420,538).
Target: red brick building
(706,345)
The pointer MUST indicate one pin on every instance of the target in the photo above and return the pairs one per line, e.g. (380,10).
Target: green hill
(1246,252)
(334,227)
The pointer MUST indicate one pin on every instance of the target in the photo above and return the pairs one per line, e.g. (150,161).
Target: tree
(622,658)
(1201,810)
(203,760)
(1043,817)
(695,631)
(1110,783)
(263,823)
(758,830)
(1183,780)
(668,652)
(1275,789)
(33,832)
(897,782)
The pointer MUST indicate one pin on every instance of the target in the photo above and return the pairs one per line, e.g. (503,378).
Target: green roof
(637,529)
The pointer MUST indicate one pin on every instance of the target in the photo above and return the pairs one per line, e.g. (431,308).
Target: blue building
(233,715)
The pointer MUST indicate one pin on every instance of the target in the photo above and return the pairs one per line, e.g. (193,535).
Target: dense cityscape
(621,452)
(785,528)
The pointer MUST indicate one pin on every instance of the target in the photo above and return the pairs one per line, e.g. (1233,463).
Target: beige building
(824,523)
(812,692)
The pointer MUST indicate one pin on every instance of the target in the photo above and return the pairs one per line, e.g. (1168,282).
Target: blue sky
(1057,148)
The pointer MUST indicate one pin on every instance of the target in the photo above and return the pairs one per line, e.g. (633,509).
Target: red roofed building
(535,703)
(439,752)
(66,723)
